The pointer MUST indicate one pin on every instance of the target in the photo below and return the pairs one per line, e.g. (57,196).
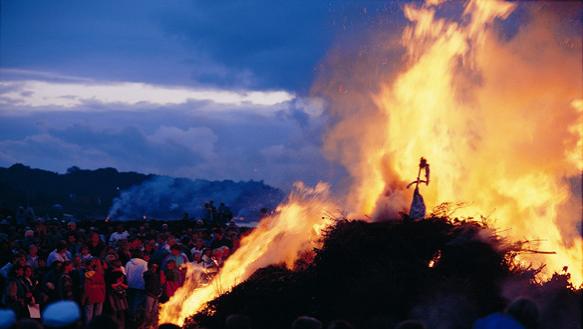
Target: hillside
(97,193)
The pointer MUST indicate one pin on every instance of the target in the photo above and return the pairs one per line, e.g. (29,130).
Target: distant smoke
(169,198)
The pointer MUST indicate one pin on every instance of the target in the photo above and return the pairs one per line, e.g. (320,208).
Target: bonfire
(475,116)
(443,271)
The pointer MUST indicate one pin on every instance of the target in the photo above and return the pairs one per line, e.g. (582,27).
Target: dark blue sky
(251,44)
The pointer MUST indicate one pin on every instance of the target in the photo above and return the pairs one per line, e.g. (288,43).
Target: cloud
(68,95)
(50,152)
(210,141)
(200,140)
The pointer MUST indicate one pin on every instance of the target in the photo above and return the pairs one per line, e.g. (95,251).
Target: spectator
(28,238)
(207,258)
(170,241)
(171,278)
(411,324)
(135,269)
(78,279)
(7,318)
(119,234)
(94,296)
(18,260)
(63,314)
(198,247)
(85,254)
(197,257)
(117,295)
(49,283)
(524,311)
(220,240)
(306,322)
(59,254)
(96,246)
(41,269)
(65,282)
(217,256)
(30,288)
(180,259)
(149,248)
(521,314)
(73,245)
(14,292)
(154,283)
(177,256)
(32,256)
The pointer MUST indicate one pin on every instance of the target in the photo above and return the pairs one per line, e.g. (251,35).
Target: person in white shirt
(120,234)
(135,269)
(32,257)
(60,254)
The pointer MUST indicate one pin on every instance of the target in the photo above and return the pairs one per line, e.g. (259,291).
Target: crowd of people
(120,270)
(115,275)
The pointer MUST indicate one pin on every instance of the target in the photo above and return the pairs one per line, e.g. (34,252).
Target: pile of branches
(446,273)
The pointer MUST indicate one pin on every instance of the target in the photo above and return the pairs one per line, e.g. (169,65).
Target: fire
(278,239)
(499,120)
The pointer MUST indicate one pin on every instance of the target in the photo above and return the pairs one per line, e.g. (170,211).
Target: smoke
(164,197)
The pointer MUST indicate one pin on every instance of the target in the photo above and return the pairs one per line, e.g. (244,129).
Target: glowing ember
(435,259)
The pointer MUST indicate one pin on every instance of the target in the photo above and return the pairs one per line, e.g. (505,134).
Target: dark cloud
(240,143)
(257,43)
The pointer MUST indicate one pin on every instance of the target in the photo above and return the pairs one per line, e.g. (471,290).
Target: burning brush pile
(445,272)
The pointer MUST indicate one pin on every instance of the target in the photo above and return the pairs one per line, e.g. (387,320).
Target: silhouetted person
(524,311)
(62,314)
(410,324)
(520,314)
(340,324)
(306,322)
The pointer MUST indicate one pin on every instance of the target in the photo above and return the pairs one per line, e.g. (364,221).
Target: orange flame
(499,121)
(278,239)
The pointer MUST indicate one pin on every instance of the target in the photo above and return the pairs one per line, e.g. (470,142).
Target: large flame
(499,121)
(278,239)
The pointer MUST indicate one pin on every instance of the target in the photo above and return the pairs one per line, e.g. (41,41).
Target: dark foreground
(374,275)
